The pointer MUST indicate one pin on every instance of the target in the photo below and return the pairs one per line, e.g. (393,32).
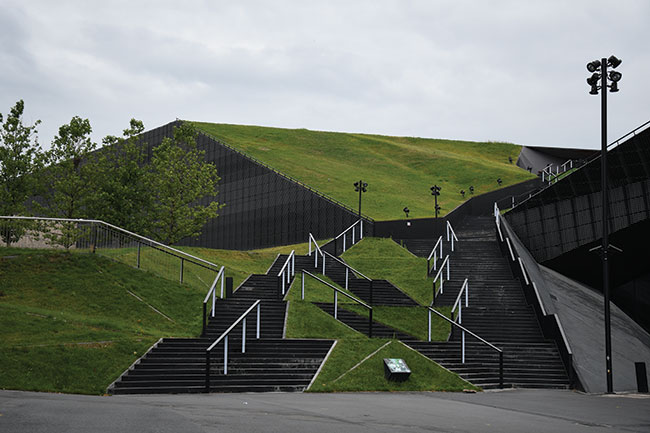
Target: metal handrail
(450,229)
(347,266)
(213,292)
(442,279)
(482,340)
(187,256)
(336,292)
(224,337)
(318,251)
(286,176)
(352,227)
(434,254)
(287,271)
(464,288)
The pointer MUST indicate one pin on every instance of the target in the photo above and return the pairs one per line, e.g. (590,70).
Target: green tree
(67,181)
(20,158)
(121,194)
(178,178)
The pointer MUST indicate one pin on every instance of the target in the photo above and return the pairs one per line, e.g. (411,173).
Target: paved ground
(507,411)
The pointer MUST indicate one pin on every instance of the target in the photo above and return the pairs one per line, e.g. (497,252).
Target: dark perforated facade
(263,207)
(568,214)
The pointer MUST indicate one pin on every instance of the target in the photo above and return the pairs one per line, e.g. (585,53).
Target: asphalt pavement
(505,411)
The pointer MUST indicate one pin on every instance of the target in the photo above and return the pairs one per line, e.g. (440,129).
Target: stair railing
(318,252)
(213,292)
(104,239)
(352,230)
(434,255)
(336,298)
(462,328)
(440,275)
(349,268)
(224,337)
(451,235)
(459,318)
(287,272)
(551,325)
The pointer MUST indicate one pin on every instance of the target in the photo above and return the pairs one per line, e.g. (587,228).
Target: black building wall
(567,215)
(263,208)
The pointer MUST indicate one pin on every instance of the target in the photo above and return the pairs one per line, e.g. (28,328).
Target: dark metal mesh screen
(263,208)
(568,214)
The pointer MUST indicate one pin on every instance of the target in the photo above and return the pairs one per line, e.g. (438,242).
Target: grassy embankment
(72,323)
(378,258)
(399,170)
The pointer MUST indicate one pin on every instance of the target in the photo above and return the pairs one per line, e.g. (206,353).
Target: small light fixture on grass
(462,193)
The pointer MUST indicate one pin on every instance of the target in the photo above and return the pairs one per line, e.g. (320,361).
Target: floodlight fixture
(614,61)
(615,76)
(593,66)
(613,87)
(406,211)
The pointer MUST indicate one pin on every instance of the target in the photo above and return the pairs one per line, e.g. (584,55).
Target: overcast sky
(473,70)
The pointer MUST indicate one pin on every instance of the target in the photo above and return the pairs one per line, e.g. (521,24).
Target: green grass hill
(398,170)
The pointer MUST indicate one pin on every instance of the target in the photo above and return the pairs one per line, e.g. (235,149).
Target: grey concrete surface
(580,310)
(506,411)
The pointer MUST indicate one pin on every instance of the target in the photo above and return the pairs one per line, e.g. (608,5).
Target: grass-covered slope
(75,322)
(399,170)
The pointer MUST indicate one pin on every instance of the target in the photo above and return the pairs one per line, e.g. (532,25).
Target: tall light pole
(435,192)
(599,72)
(360,187)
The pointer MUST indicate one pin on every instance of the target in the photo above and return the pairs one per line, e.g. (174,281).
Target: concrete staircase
(271,363)
(499,313)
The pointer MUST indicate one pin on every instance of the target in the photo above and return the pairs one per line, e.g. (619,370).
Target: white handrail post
(214,301)
(310,246)
(323,263)
(435,259)
(344,235)
(336,303)
(460,321)
(447,231)
(442,280)
(352,243)
(316,259)
(222,279)
(452,243)
(360,229)
(466,293)
(346,277)
(302,291)
(283,284)
(429,324)
(257,333)
(225,355)
(243,336)
(441,248)
(448,269)
(293,264)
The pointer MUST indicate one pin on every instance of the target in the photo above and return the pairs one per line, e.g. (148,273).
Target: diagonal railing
(451,235)
(224,337)
(336,298)
(440,276)
(286,273)
(434,255)
(110,241)
(354,233)
(480,339)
